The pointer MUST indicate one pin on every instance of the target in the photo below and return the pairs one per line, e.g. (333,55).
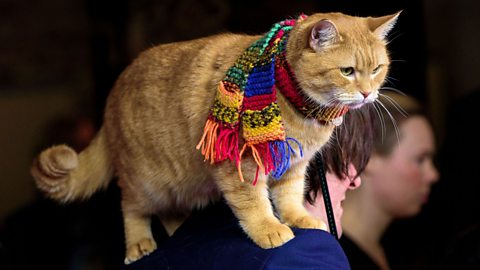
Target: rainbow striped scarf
(247,97)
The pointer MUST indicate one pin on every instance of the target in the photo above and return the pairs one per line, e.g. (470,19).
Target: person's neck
(365,222)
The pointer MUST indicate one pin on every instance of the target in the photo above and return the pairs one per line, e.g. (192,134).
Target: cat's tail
(64,175)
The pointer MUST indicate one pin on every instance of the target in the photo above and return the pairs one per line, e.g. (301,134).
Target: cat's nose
(364,94)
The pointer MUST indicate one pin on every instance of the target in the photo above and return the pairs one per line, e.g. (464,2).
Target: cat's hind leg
(137,226)
(288,198)
(251,205)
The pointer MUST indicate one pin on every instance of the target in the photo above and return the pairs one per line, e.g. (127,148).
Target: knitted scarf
(247,97)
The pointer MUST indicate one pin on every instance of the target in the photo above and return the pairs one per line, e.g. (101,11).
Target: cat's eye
(376,70)
(347,71)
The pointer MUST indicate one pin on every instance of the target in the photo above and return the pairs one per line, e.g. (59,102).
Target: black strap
(326,197)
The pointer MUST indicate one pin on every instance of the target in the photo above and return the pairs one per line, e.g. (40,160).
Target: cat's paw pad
(308,222)
(271,235)
(139,250)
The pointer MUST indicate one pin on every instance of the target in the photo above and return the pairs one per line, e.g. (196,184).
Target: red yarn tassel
(263,150)
(227,145)
(261,155)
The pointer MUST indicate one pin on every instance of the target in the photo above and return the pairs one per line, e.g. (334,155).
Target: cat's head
(340,59)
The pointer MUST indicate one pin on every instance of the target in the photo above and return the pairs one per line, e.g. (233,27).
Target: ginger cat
(155,117)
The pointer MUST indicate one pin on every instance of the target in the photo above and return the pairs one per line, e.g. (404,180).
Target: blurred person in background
(396,181)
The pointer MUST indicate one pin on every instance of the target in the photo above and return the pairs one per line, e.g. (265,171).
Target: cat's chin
(357,105)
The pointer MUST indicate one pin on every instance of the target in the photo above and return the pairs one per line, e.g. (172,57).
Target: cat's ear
(323,33)
(381,26)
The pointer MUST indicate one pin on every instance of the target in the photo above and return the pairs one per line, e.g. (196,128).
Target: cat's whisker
(326,106)
(331,102)
(398,60)
(381,119)
(393,90)
(318,109)
(311,113)
(394,123)
(315,113)
(388,81)
(394,35)
(337,140)
(395,105)
(391,80)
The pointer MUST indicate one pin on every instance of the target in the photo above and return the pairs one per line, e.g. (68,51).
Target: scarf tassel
(261,156)
(281,152)
(218,142)
(272,157)
(227,145)
(208,141)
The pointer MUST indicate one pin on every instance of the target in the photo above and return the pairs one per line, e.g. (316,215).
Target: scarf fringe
(208,141)
(257,154)
(227,145)
(218,143)
(271,157)
(281,152)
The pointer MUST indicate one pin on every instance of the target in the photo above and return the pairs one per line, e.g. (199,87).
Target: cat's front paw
(306,222)
(138,250)
(271,234)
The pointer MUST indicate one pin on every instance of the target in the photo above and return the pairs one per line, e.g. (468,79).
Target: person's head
(400,172)
(344,158)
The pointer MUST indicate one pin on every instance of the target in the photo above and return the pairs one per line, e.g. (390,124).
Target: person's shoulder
(212,239)
(310,249)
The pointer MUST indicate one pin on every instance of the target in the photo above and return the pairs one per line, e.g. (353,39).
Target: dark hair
(351,142)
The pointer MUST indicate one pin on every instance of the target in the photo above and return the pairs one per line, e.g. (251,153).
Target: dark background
(59,59)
